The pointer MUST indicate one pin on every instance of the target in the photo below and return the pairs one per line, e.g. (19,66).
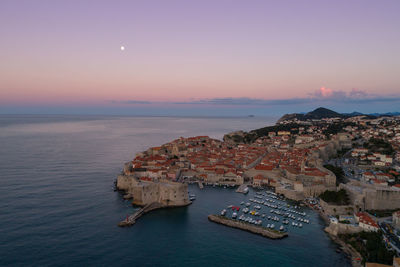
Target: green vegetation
(336,128)
(379,146)
(371,246)
(293,128)
(339,173)
(337,198)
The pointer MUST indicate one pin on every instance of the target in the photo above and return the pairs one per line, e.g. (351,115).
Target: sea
(58,206)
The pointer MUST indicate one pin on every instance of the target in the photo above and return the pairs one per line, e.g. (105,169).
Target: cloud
(243,101)
(130,102)
(323,95)
(327,93)
(357,93)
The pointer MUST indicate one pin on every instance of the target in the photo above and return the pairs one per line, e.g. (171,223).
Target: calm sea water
(58,207)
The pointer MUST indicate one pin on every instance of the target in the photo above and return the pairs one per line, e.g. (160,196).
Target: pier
(131,220)
(273,234)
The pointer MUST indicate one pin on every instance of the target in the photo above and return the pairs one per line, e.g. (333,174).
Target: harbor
(267,210)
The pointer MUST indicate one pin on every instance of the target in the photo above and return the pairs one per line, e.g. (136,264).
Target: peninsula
(344,166)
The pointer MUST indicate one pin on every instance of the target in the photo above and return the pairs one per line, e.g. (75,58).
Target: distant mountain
(353,114)
(316,114)
(321,113)
(385,114)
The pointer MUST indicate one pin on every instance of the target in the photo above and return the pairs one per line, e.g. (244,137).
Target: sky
(208,57)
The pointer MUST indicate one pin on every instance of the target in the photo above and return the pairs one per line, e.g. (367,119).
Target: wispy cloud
(130,102)
(322,95)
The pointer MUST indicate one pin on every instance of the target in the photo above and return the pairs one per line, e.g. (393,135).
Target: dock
(259,230)
(131,219)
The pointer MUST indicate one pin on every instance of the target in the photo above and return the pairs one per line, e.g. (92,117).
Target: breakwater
(273,234)
(131,220)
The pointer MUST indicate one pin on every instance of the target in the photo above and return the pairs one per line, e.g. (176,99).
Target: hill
(317,114)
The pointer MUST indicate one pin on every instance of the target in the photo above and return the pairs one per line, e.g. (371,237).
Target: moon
(122,48)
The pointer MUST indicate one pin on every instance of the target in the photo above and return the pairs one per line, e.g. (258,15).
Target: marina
(268,210)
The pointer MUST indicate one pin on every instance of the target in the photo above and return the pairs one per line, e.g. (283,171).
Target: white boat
(223,212)
(272,226)
(245,190)
(234,215)
(281,228)
(241,203)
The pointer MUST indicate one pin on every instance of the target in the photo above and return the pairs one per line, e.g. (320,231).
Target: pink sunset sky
(199,53)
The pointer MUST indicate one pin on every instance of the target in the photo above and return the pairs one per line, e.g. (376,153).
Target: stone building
(146,191)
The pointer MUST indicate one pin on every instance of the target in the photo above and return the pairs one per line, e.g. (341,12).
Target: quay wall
(333,210)
(247,227)
(290,194)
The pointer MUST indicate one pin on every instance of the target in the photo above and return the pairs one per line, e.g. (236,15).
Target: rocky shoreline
(344,247)
(273,234)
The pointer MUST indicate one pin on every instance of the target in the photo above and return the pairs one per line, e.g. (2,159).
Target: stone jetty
(273,234)
(131,220)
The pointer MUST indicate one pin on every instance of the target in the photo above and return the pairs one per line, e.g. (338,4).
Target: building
(366,222)
(146,191)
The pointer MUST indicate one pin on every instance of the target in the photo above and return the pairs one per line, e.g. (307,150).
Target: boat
(234,215)
(281,228)
(245,190)
(223,212)
(241,203)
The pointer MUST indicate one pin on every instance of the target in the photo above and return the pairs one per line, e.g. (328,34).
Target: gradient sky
(200,57)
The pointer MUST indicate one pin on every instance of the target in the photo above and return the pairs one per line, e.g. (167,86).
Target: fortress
(369,197)
(146,191)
